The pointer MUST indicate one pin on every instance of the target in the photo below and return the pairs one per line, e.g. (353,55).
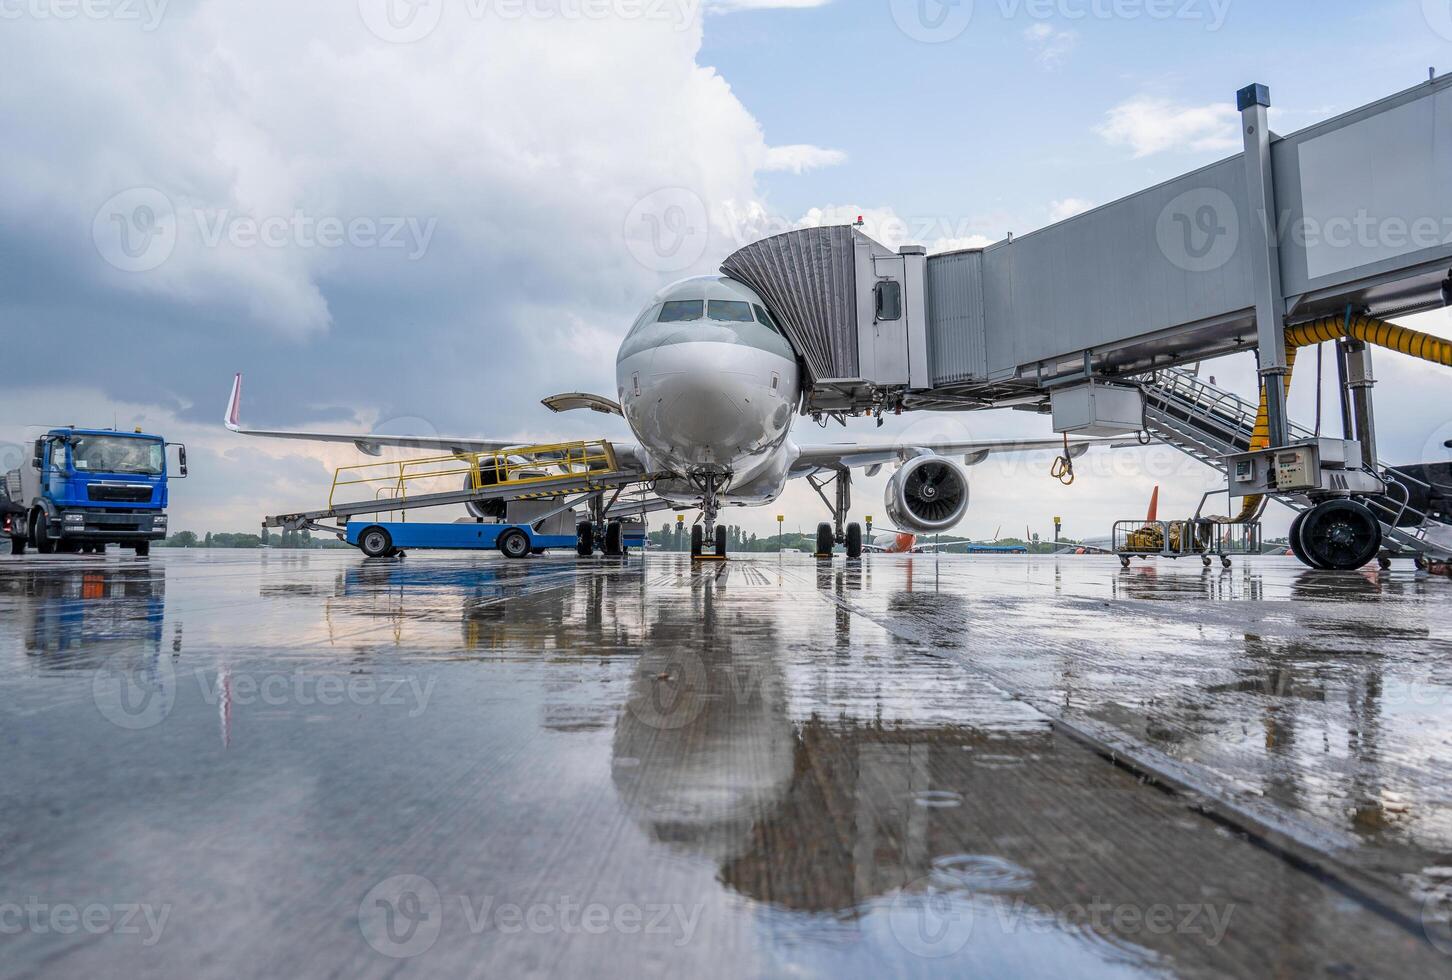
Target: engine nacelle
(926,495)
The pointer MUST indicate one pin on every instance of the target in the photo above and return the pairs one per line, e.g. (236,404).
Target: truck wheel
(375,542)
(17,546)
(143,549)
(514,544)
(40,534)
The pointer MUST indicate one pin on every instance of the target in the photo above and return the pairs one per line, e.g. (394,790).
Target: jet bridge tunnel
(1076,318)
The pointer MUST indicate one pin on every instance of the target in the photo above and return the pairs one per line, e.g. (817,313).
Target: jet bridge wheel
(1295,539)
(1340,535)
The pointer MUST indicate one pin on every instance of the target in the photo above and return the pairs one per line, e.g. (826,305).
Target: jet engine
(927,494)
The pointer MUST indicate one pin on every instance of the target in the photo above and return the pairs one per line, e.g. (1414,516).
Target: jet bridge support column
(1262,239)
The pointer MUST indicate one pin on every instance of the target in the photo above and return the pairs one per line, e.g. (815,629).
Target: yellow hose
(1367,329)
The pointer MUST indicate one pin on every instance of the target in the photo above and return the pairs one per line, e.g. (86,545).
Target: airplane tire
(614,540)
(514,544)
(825,540)
(1341,535)
(698,541)
(720,540)
(375,542)
(854,540)
(585,540)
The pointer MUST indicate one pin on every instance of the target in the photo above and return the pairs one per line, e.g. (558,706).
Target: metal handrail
(516,467)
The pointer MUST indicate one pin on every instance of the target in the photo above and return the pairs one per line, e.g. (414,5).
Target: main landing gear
(610,535)
(708,529)
(837,532)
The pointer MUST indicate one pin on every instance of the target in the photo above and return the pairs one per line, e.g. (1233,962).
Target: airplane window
(764,318)
(729,310)
(678,310)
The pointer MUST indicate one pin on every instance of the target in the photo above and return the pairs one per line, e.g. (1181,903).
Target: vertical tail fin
(1154,507)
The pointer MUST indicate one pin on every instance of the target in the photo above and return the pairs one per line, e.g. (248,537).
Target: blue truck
(83,489)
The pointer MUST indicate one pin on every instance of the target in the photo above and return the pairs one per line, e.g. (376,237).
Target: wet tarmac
(303,764)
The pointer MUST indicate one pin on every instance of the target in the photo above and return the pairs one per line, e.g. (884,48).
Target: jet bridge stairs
(1209,423)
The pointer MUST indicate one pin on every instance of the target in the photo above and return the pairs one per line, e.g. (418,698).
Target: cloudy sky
(424,215)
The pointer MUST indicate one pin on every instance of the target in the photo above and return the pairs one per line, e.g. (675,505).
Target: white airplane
(710,386)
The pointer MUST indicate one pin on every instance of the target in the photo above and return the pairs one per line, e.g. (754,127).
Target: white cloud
(1149,124)
(1051,45)
(801,157)
(1068,207)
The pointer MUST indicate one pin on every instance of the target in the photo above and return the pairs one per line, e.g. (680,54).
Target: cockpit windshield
(680,310)
(764,318)
(730,311)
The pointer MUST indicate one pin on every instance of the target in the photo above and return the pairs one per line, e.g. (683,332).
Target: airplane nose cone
(705,418)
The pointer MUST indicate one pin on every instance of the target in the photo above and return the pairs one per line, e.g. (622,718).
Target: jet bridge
(1077,318)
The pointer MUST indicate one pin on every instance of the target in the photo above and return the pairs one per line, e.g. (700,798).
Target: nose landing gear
(708,529)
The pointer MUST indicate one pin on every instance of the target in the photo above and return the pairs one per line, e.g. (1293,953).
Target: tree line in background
(285,539)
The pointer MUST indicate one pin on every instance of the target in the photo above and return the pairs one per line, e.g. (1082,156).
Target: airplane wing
(372,444)
(857,455)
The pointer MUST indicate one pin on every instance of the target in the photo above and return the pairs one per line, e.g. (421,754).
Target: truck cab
(83,489)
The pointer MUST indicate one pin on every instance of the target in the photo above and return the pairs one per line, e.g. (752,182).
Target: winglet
(234,405)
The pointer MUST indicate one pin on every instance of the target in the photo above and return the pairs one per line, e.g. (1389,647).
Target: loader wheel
(514,544)
(614,540)
(585,540)
(375,542)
